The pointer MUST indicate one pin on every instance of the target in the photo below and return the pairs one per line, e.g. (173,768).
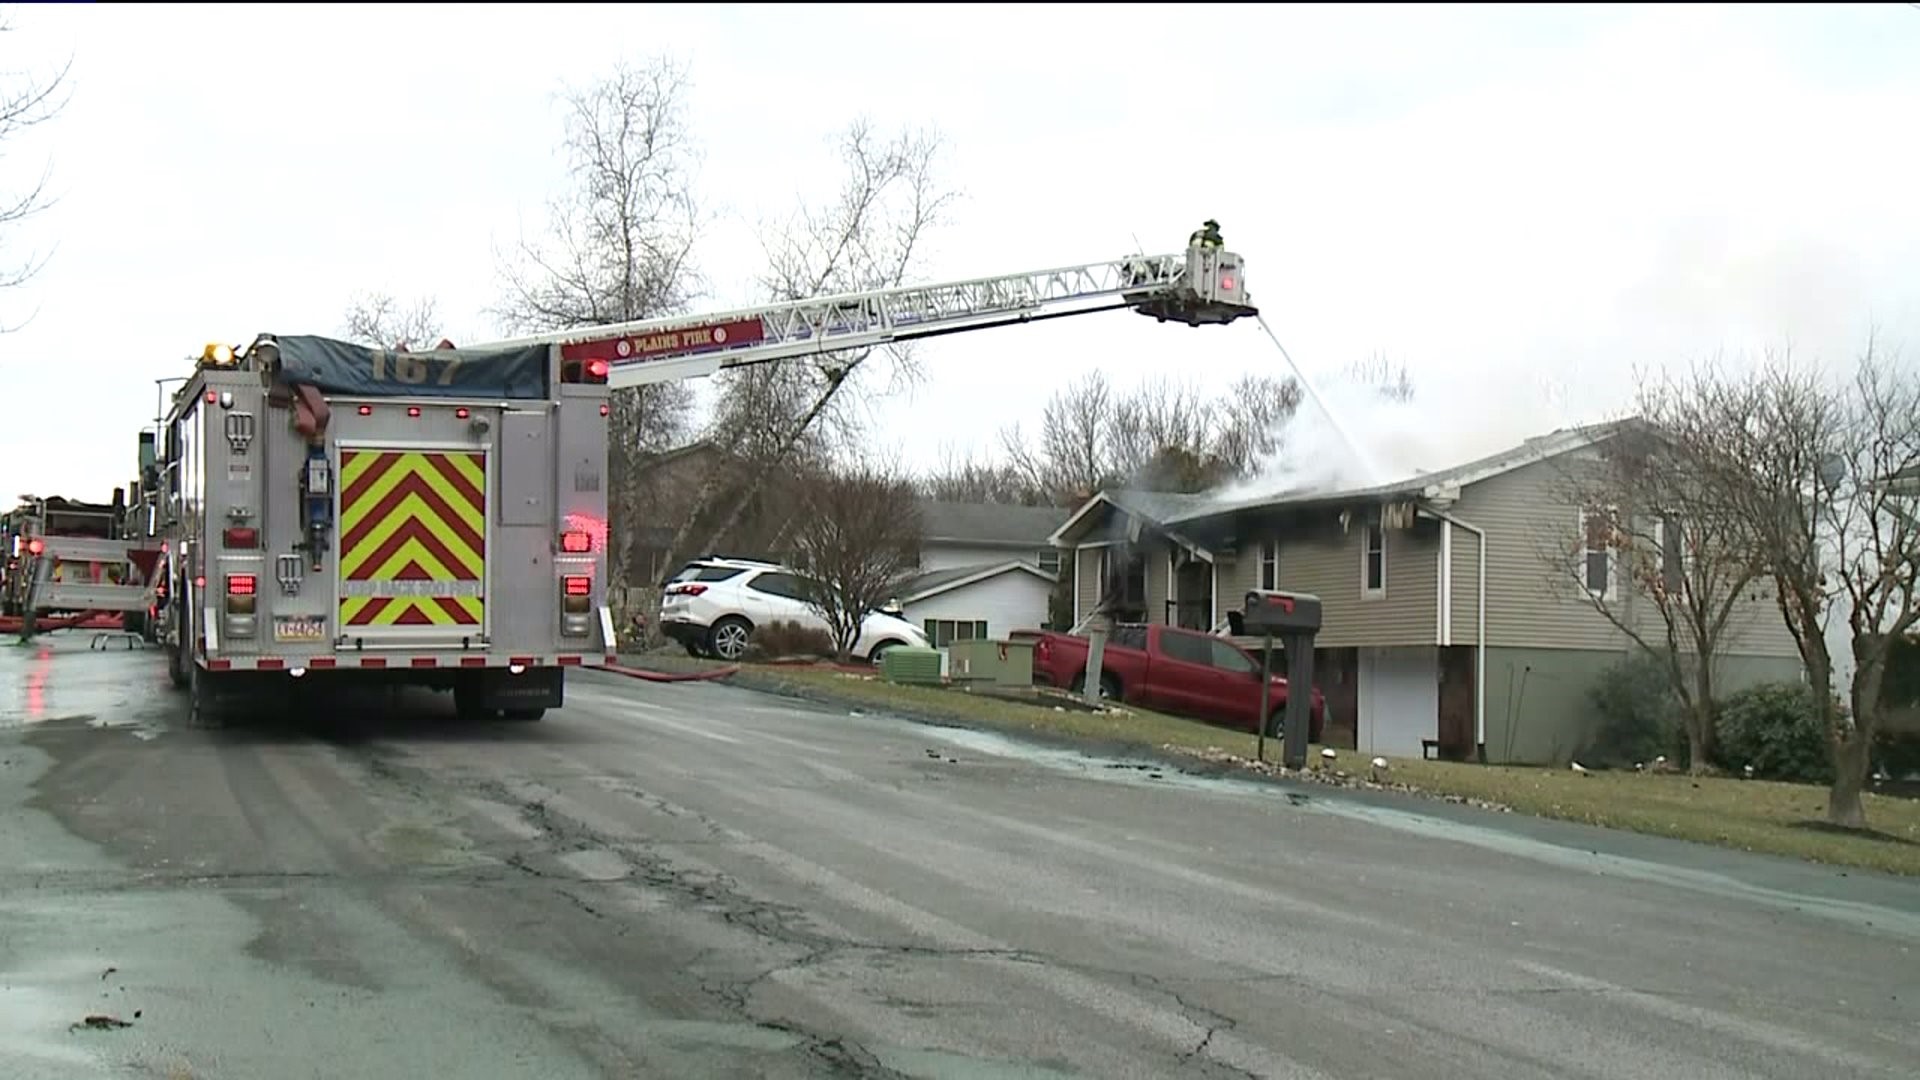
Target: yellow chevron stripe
(411,509)
(474,516)
(357,610)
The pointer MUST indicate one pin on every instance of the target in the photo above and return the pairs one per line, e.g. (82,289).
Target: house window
(1671,535)
(1270,564)
(1373,562)
(1597,539)
(1049,560)
(944,632)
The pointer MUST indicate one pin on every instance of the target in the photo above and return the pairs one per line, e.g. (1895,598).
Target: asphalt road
(698,881)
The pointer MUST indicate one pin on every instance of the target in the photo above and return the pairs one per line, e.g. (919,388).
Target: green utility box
(907,664)
(991,663)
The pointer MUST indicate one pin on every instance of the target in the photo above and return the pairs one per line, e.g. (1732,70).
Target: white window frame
(1040,558)
(1612,590)
(1269,561)
(1685,569)
(1367,532)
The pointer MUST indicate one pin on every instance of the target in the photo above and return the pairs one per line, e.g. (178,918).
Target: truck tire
(204,709)
(466,703)
(1109,685)
(727,638)
(179,664)
(525,716)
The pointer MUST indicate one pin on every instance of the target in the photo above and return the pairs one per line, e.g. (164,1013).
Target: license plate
(297,628)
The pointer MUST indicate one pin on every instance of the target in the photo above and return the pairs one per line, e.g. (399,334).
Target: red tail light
(597,370)
(366,410)
(686,590)
(413,410)
(604,410)
(239,584)
(35,546)
(577,586)
(240,538)
(576,543)
(461,414)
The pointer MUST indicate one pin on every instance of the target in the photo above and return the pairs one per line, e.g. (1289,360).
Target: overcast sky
(1519,204)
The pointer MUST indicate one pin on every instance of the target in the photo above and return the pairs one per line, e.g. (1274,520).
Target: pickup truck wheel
(880,650)
(1109,685)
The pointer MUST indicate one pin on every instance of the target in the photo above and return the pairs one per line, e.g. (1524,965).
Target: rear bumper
(401,660)
(683,631)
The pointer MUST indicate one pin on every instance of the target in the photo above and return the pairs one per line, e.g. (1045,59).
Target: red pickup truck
(1183,672)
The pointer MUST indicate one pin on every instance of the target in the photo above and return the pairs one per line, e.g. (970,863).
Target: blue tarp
(340,367)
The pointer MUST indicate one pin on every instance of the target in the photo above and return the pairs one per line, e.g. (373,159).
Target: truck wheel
(179,659)
(727,639)
(1109,685)
(204,708)
(466,703)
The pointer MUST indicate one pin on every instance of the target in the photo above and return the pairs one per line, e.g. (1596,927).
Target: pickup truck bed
(1183,672)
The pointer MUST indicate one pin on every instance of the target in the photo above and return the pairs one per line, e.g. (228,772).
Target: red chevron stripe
(414,485)
(374,607)
(443,464)
(461,568)
(453,608)
(413,616)
(366,479)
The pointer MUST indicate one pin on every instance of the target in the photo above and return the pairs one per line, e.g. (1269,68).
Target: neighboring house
(671,483)
(1398,585)
(986,569)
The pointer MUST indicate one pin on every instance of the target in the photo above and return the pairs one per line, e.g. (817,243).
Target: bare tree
(1808,467)
(1164,435)
(1659,555)
(1389,377)
(620,250)
(973,480)
(379,320)
(869,237)
(856,544)
(25,103)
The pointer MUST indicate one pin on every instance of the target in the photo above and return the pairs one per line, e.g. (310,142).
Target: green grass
(1758,816)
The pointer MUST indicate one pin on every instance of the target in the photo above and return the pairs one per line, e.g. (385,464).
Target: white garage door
(1399,700)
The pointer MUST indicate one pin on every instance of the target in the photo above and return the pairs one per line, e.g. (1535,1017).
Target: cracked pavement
(696,880)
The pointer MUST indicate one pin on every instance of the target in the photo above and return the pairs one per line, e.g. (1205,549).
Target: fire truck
(440,517)
(68,560)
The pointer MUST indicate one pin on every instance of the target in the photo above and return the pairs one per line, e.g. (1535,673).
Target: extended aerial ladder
(1205,286)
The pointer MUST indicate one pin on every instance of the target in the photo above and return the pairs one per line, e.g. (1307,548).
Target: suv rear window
(697,572)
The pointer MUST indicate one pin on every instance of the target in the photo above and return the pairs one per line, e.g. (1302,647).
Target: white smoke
(1372,439)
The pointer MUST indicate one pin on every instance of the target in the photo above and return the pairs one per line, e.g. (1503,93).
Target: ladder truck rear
(353,514)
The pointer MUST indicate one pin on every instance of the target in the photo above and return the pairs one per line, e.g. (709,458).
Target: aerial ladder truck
(293,552)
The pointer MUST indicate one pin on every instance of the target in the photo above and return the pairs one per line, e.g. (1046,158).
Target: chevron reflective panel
(413,538)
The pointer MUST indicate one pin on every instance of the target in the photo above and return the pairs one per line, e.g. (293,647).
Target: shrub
(1776,728)
(780,640)
(1638,713)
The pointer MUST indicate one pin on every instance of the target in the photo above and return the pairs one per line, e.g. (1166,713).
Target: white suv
(712,605)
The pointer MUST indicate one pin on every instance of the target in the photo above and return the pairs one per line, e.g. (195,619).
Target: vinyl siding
(1086,581)
(1318,557)
(1529,606)
(1013,600)
(944,556)
(1159,584)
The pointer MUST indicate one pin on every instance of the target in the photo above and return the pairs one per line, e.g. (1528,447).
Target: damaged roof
(1169,509)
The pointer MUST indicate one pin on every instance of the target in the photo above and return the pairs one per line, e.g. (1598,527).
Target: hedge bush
(1777,729)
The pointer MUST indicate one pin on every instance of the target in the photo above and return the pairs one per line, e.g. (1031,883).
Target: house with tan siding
(1396,567)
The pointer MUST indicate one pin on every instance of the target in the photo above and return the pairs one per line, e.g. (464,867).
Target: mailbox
(1271,612)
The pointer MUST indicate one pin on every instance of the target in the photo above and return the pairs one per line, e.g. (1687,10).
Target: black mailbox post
(1294,618)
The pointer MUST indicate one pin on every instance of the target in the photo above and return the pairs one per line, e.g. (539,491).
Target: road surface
(699,881)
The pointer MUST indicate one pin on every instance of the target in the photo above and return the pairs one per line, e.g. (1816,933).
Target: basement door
(1399,698)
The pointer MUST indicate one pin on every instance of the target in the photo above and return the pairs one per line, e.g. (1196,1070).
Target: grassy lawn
(1748,815)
